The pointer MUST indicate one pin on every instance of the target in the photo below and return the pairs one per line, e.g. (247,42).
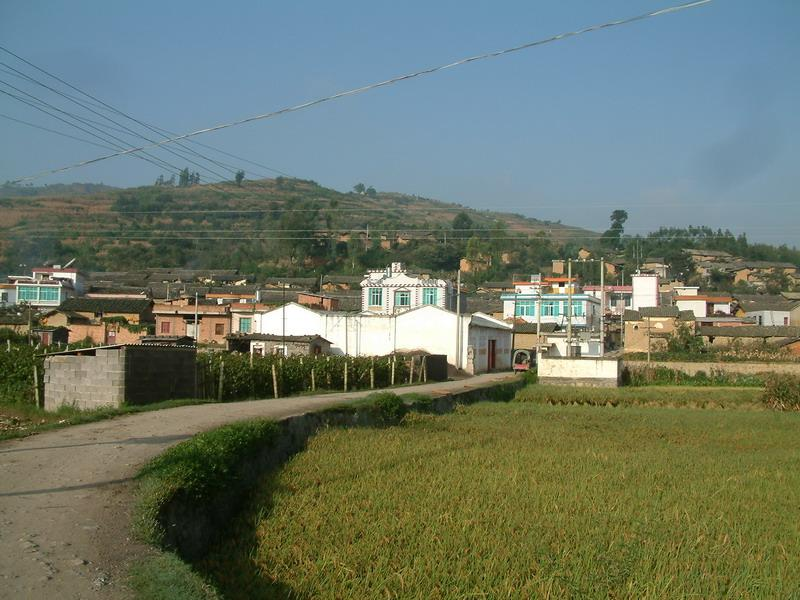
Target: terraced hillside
(270,226)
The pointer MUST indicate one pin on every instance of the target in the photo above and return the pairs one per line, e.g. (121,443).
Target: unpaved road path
(66,496)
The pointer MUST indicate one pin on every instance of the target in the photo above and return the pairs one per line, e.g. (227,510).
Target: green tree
(371,192)
(612,238)
(462,224)
(183,178)
(239,177)
(359,188)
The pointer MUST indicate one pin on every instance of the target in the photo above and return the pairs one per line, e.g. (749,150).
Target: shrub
(782,392)
(389,407)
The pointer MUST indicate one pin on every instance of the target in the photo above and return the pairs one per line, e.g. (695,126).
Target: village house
(688,297)
(394,289)
(652,327)
(106,321)
(475,343)
(41,290)
(768,310)
(547,300)
(177,318)
(618,297)
(267,343)
(8,294)
(753,335)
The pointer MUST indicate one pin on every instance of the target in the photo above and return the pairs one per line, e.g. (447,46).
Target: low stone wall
(742,368)
(192,526)
(580,371)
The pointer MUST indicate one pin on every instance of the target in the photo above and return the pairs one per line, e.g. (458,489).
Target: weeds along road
(66,496)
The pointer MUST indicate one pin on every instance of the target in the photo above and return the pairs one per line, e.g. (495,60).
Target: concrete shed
(110,376)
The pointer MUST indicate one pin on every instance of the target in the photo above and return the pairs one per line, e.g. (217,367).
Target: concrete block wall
(159,373)
(116,376)
(85,382)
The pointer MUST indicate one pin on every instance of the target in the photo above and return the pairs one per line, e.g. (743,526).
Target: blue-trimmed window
(551,308)
(245,324)
(402,298)
(49,294)
(430,296)
(577,309)
(28,293)
(525,308)
(376,297)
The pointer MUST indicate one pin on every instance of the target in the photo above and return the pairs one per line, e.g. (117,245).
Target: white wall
(770,317)
(698,307)
(645,291)
(603,371)
(427,328)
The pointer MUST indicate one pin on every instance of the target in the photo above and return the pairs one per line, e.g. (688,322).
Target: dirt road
(66,495)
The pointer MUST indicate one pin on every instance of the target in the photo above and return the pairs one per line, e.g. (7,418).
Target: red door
(490,359)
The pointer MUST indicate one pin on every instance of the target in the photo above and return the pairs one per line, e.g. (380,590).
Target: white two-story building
(534,301)
(393,290)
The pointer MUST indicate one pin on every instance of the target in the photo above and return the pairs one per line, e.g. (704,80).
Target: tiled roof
(269,337)
(658,312)
(531,327)
(106,305)
(754,331)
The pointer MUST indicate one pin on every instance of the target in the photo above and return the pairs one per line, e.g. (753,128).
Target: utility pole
(538,321)
(458,319)
(569,307)
(602,307)
(196,333)
(648,341)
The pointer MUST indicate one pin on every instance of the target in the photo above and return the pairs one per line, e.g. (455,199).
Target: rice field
(530,500)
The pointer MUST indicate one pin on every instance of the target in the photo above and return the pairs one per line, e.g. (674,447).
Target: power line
(61,133)
(362,89)
(109,119)
(141,155)
(100,103)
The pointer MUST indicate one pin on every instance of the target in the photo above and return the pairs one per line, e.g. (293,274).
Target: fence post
(394,361)
(372,373)
(345,374)
(424,369)
(411,374)
(313,381)
(274,381)
(36,385)
(221,380)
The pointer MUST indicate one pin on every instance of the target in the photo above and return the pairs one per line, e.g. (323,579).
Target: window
(49,294)
(376,297)
(245,324)
(785,320)
(219,329)
(577,309)
(525,308)
(402,298)
(28,293)
(165,326)
(551,308)
(430,296)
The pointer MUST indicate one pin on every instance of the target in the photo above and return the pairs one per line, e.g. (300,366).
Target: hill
(266,227)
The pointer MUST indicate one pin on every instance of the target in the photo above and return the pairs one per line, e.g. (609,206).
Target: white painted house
(394,289)
(474,342)
(524,303)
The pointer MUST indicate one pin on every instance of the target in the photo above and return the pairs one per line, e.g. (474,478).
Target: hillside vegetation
(280,226)
(288,226)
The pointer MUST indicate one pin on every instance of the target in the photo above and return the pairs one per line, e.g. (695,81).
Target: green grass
(19,419)
(195,470)
(680,396)
(527,500)
(164,576)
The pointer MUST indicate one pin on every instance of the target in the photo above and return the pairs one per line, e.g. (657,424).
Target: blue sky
(684,119)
